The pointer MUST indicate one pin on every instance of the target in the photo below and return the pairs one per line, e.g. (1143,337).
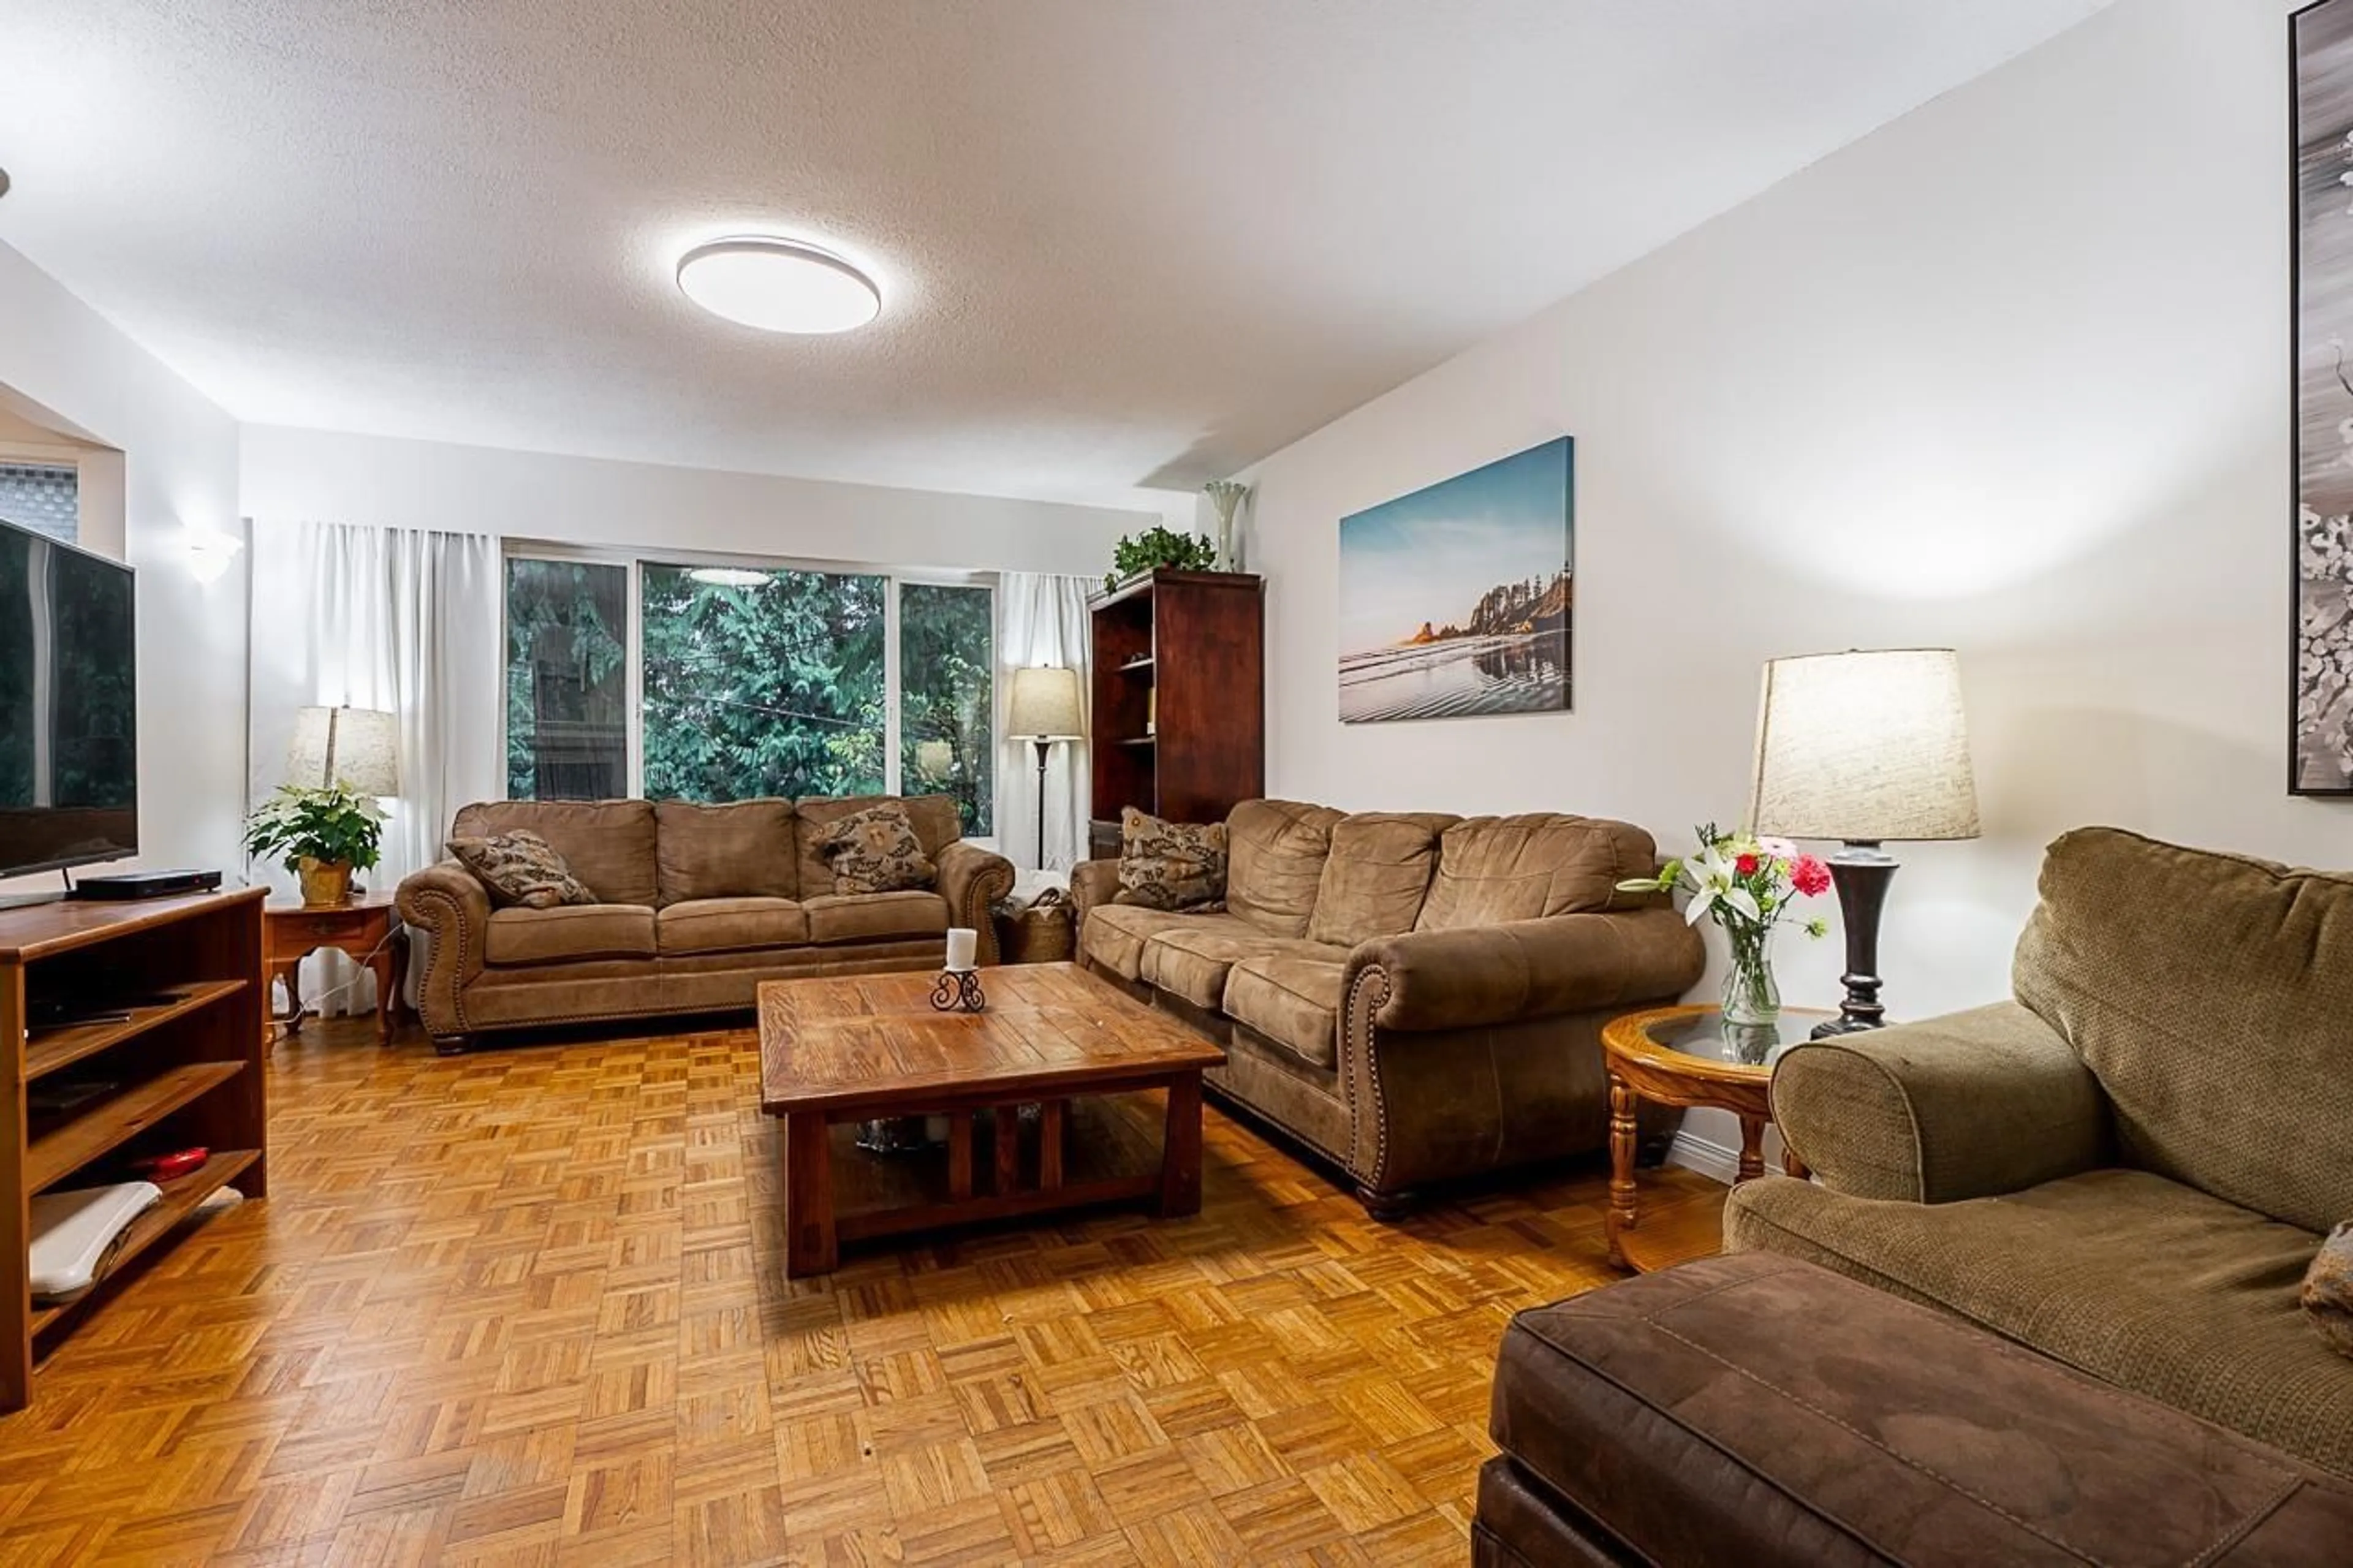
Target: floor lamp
(1043,709)
(1863,747)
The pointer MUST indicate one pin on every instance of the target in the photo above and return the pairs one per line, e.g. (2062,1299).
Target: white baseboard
(1710,1159)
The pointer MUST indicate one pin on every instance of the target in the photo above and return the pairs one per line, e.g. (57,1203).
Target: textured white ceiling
(1123,242)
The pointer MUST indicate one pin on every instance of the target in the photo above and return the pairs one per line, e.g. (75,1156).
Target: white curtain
(406,620)
(1042,619)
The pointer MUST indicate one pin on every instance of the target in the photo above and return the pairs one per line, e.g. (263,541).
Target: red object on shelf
(165,1167)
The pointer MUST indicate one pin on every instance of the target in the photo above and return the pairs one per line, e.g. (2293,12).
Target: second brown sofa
(1417,996)
(698,905)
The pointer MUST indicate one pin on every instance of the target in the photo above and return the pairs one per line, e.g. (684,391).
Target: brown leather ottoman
(1758,1410)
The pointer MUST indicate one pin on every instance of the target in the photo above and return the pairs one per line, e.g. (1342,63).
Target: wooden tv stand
(183,1059)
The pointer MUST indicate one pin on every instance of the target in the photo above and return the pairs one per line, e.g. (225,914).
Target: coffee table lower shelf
(1078,1153)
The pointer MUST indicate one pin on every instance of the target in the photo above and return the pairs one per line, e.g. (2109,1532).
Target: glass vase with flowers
(1747,885)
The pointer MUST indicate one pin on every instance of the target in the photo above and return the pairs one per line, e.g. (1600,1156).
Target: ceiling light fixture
(729,576)
(778,285)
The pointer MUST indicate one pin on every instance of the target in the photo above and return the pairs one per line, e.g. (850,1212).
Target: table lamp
(1865,748)
(358,748)
(1043,709)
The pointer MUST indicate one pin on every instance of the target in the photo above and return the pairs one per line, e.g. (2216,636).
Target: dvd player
(124,885)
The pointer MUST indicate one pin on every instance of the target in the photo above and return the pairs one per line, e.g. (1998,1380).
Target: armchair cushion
(2209,992)
(1528,969)
(2147,1283)
(1294,1000)
(1964,1106)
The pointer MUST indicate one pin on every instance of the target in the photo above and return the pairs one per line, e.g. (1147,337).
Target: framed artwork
(2320,741)
(1455,601)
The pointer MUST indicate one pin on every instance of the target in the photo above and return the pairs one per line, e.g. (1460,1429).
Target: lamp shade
(1865,747)
(1044,705)
(358,748)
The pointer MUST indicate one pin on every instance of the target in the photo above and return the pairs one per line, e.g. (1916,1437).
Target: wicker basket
(1042,933)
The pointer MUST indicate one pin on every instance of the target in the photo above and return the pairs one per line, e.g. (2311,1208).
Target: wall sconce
(210,552)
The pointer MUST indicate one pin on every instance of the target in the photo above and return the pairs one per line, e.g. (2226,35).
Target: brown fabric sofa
(1418,997)
(699,903)
(2128,1167)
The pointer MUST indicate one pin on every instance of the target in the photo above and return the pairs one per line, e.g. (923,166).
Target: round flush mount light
(729,576)
(778,285)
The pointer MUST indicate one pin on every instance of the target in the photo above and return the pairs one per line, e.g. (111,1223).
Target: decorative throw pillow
(2329,1290)
(522,868)
(875,851)
(1170,865)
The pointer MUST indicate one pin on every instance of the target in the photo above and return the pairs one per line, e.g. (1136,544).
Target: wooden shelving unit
(1197,641)
(172,992)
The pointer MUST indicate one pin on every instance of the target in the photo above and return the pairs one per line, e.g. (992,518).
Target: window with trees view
(750,681)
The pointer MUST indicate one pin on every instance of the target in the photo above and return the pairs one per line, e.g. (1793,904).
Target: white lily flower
(1741,899)
(1700,904)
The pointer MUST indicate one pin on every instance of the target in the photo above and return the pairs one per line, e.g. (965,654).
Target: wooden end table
(364,927)
(839,1051)
(1687,1057)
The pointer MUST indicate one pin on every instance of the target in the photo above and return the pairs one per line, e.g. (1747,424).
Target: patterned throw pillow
(522,868)
(875,851)
(2329,1290)
(1170,865)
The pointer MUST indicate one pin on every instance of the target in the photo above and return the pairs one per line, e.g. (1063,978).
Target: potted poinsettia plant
(1746,884)
(321,834)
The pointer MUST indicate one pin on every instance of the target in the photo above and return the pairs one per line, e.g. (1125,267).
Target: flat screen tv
(69,706)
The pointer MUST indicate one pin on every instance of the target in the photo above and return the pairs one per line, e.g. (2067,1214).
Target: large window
(567,681)
(724,682)
(43,497)
(763,683)
(946,694)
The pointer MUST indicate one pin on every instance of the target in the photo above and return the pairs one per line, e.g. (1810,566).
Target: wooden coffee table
(1099,1065)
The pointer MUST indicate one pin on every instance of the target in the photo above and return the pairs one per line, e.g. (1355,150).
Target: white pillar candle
(963,945)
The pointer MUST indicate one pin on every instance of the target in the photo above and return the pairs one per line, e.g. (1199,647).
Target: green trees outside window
(772,687)
(947,697)
(773,681)
(567,679)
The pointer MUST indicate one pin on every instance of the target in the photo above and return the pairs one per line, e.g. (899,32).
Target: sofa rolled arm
(1093,882)
(1969,1105)
(1526,969)
(972,879)
(451,907)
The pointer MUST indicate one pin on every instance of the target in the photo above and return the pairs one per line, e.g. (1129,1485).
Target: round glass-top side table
(1689,1056)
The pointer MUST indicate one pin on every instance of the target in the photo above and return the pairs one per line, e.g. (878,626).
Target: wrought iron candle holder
(959,991)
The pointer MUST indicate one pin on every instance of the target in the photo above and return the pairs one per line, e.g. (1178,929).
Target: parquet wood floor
(528,1307)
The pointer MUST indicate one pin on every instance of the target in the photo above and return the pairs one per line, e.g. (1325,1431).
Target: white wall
(2010,375)
(319,477)
(178,469)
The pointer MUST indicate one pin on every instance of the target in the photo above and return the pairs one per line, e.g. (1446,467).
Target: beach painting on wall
(1455,601)
(2320,740)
